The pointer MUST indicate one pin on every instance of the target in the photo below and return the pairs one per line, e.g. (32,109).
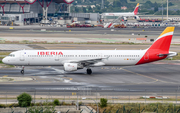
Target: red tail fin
(136,9)
(163,42)
(160,48)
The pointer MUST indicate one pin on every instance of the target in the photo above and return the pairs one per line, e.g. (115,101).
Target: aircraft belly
(43,62)
(121,61)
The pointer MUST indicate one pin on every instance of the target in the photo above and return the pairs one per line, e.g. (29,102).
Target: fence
(126,99)
(80,94)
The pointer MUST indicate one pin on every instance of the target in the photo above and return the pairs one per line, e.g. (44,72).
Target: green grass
(4,53)
(138,108)
(1,63)
(110,0)
(176,5)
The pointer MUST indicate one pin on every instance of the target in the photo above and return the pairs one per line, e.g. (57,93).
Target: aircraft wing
(90,61)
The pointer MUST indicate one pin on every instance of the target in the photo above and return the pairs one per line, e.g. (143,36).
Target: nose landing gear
(22,71)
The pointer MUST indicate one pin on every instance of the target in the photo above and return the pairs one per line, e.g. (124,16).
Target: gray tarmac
(153,78)
(97,30)
(14,47)
(159,78)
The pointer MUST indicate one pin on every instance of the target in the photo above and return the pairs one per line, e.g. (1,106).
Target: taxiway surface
(153,77)
(158,77)
(32,31)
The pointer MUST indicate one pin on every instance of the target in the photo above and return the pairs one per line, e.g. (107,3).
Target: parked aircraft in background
(174,19)
(72,60)
(125,15)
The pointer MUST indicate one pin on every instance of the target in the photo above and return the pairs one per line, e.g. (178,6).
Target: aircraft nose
(4,60)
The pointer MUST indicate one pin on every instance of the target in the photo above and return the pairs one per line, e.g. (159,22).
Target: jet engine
(136,17)
(70,67)
(125,18)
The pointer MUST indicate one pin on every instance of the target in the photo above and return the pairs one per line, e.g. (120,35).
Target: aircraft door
(22,56)
(57,58)
(100,55)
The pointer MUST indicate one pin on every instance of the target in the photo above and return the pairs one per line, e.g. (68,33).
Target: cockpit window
(11,55)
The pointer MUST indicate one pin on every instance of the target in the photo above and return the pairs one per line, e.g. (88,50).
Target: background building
(24,12)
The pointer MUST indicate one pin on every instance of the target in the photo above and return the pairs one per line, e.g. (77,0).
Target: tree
(56,102)
(24,99)
(170,4)
(178,12)
(103,102)
(76,9)
(148,4)
(123,2)
(84,10)
(90,9)
(155,7)
(117,4)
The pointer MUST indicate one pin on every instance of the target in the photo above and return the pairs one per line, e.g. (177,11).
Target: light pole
(77,100)
(167,10)
(162,11)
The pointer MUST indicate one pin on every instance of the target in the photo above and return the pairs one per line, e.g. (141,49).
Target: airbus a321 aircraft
(72,60)
(125,15)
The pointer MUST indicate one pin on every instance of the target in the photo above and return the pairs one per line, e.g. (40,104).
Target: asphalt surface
(54,30)
(160,78)
(151,78)
(175,48)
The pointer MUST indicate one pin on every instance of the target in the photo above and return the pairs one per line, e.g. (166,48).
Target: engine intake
(70,67)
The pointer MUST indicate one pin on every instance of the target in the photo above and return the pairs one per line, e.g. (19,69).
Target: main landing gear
(89,71)
(22,71)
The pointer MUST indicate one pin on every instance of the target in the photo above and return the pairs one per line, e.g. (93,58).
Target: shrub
(103,102)
(36,104)
(63,103)
(24,100)
(35,109)
(56,102)
(13,105)
(80,103)
(2,106)
(40,109)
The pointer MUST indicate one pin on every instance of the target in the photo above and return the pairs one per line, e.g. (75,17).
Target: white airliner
(72,60)
(125,15)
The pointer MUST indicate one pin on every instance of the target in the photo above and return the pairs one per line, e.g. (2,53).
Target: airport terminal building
(24,12)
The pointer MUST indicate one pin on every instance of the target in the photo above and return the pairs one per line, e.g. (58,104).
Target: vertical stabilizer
(160,48)
(136,9)
(163,42)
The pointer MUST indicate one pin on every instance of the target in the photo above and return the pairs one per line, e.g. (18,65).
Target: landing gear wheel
(89,71)
(22,72)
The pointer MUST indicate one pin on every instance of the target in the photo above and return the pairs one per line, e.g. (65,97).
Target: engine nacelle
(136,17)
(125,18)
(70,67)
